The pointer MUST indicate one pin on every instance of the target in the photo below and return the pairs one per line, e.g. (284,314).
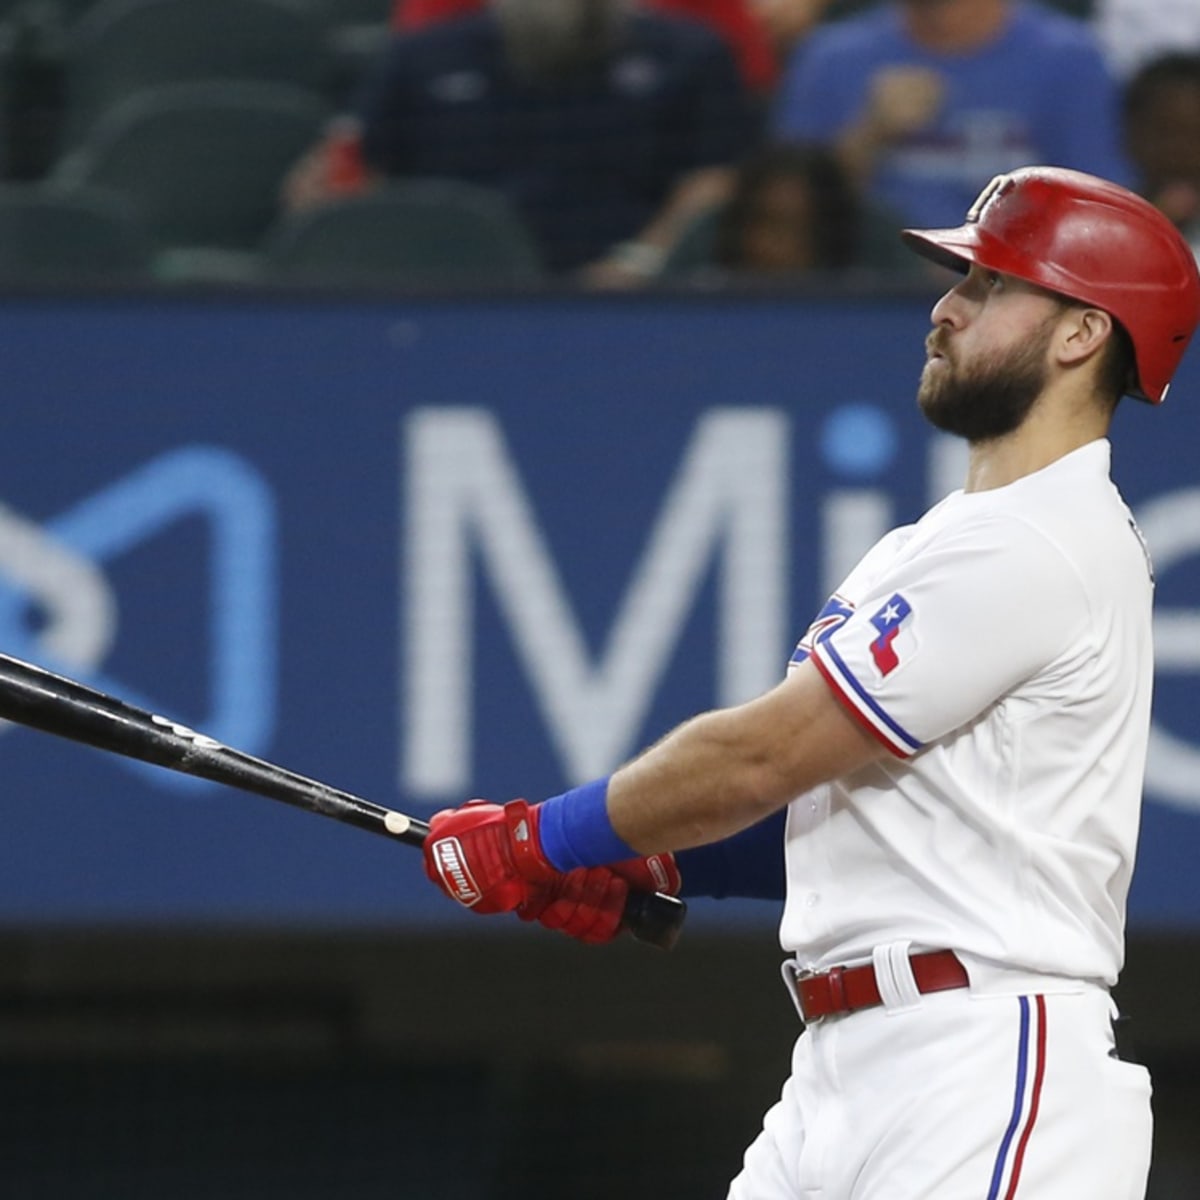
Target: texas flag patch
(887,623)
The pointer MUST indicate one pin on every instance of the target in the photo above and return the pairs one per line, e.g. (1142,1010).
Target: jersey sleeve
(951,630)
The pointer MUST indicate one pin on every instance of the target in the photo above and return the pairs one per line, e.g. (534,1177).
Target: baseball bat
(33,696)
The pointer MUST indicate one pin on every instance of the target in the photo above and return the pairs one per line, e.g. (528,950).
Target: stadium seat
(57,12)
(202,163)
(121,47)
(359,12)
(418,232)
(48,237)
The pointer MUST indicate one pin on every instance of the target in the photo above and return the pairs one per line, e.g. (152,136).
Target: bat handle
(654,918)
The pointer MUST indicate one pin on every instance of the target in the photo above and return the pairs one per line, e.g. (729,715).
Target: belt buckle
(793,975)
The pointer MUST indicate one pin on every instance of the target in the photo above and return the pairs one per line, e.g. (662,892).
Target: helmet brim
(952,248)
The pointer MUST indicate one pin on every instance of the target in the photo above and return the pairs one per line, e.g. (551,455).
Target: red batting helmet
(1091,241)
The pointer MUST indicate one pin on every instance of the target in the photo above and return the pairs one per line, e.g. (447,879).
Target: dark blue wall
(431,549)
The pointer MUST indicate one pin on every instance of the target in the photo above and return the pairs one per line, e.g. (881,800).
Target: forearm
(698,191)
(714,776)
(703,782)
(641,258)
(723,771)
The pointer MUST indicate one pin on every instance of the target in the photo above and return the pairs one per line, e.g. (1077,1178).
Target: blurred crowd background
(400,147)
(607,144)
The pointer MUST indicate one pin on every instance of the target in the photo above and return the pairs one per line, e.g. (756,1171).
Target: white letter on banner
(1171,527)
(71,592)
(463,492)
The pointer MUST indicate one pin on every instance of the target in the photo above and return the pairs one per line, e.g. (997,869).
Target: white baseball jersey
(1000,648)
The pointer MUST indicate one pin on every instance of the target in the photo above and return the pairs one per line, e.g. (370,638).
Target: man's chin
(942,414)
(940,419)
(929,399)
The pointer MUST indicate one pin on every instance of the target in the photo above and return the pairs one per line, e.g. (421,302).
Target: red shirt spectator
(734,20)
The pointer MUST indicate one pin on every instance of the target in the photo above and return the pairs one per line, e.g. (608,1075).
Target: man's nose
(949,310)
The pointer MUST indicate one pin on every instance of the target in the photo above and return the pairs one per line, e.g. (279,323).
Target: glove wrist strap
(528,856)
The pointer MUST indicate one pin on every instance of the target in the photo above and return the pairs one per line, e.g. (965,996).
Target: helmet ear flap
(1091,241)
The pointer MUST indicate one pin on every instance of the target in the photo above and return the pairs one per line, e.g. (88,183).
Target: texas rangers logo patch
(836,612)
(887,622)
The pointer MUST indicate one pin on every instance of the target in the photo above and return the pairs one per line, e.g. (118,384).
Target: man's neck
(954,26)
(1046,435)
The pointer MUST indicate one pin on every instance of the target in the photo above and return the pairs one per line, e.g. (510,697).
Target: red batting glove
(487,857)
(653,873)
(589,904)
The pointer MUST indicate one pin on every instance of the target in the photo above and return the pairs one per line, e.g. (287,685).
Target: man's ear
(1083,333)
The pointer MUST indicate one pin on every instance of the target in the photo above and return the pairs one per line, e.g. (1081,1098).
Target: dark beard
(549,41)
(990,399)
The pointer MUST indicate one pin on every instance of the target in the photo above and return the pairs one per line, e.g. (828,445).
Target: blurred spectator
(1162,136)
(1134,31)
(737,21)
(607,129)
(791,212)
(790,21)
(926,100)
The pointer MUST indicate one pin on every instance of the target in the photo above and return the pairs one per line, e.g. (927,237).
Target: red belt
(847,989)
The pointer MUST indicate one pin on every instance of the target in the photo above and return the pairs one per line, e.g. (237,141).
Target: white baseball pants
(961,1097)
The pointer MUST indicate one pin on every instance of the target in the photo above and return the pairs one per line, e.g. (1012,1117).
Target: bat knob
(654,918)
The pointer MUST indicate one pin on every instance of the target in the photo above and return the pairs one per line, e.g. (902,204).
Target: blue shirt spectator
(925,122)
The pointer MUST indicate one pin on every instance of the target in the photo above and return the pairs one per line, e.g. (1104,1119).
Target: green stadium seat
(357,12)
(417,232)
(121,47)
(86,235)
(202,163)
(57,12)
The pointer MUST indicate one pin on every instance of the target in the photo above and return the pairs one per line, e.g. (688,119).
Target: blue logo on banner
(238,507)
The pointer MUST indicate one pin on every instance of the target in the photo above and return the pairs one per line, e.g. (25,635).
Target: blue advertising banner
(432,549)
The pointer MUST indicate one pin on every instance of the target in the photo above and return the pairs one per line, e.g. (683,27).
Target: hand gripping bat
(31,695)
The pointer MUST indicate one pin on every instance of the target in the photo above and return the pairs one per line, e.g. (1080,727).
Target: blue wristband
(575,831)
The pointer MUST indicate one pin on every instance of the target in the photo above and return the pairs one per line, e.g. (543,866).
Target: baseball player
(953,763)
